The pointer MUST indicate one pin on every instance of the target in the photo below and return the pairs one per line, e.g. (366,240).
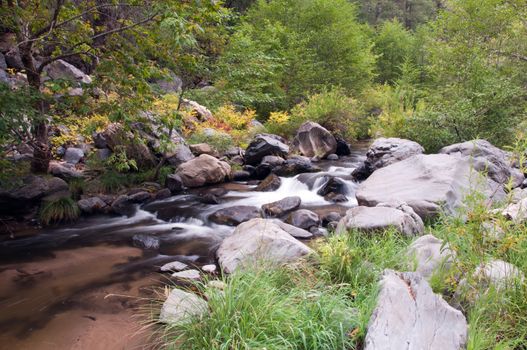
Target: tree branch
(54,17)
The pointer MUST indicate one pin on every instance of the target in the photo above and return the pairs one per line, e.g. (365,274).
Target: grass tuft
(59,210)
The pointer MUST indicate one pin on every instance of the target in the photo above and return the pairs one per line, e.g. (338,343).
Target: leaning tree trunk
(41,151)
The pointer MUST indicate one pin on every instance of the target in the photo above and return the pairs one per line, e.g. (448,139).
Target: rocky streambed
(77,286)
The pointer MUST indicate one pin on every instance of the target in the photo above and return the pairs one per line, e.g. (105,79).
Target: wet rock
(235,215)
(146,242)
(273,160)
(213,195)
(281,207)
(343,148)
(336,198)
(332,156)
(265,145)
(262,171)
(304,219)
(332,216)
(182,307)
(179,155)
(429,254)
(192,275)
(238,160)
(374,219)
(60,69)
(65,171)
(312,140)
(234,152)
(259,240)
(140,197)
(333,185)
(489,159)
(203,170)
(174,183)
(203,148)
(296,165)
(409,315)
(427,183)
(123,205)
(73,155)
(163,194)
(269,184)
(241,175)
(173,266)
(92,205)
(386,151)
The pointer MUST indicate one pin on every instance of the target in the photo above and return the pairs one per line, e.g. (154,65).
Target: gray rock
(163,194)
(234,215)
(203,148)
(333,156)
(333,185)
(410,316)
(269,184)
(211,268)
(170,84)
(281,207)
(265,145)
(273,160)
(92,205)
(497,273)
(304,219)
(386,151)
(516,212)
(429,255)
(296,165)
(182,307)
(259,240)
(179,155)
(123,205)
(3,64)
(174,266)
(294,231)
(489,159)
(60,69)
(4,78)
(146,242)
(174,183)
(203,170)
(65,171)
(192,275)
(313,140)
(241,175)
(427,183)
(373,219)
(73,155)
(343,148)
(103,153)
(202,112)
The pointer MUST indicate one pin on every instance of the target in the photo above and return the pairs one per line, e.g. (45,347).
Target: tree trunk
(41,151)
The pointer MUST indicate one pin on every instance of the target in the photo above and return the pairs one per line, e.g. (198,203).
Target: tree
(411,13)
(113,35)
(284,50)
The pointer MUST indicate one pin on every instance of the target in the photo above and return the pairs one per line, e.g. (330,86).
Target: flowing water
(81,286)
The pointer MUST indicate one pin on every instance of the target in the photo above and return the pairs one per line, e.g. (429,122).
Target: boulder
(123,205)
(516,212)
(65,171)
(203,148)
(429,255)
(146,242)
(169,84)
(332,156)
(296,165)
(92,205)
(60,69)
(427,183)
(333,185)
(497,273)
(182,307)
(73,155)
(292,230)
(386,151)
(265,145)
(304,219)
(203,170)
(489,159)
(343,148)
(234,215)
(262,171)
(281,207)
(241,175)
(313,140)
(410,316)
(173,266)
(103,153)
(201,112)
(273,160)
(269,184)
(259,240)
(180,154)
(373,219)
(192,275)
(174,183)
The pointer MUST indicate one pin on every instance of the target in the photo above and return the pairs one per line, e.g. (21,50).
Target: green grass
(59,210)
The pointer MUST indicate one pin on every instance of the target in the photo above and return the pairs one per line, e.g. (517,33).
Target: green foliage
(286,49)
(283,308)
(59,210)
(76,187)
(120,162)
(410,13)
(220,141)
(16,113)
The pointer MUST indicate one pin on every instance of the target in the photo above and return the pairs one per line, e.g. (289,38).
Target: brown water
(86,286)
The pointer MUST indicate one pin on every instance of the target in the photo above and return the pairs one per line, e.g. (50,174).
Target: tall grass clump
(59,210)
(284,308)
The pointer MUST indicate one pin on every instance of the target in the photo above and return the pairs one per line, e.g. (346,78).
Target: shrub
(59,210)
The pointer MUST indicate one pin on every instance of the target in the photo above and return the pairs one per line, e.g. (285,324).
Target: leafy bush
(219,140)
(283,308)
(59,210)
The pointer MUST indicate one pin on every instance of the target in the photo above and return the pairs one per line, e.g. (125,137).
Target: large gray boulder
(73,155)
(427,183)
(60,69)
(429,254)
(488,158)
(373,219)
(265,145)
(180,154)
(181,307)
(203,170)
(281,207)
(313,140)
(386,151)
(410,316)
(92,205)
(234,215)
(259,240)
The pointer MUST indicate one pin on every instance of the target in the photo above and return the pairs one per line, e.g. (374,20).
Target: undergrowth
(59,210)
